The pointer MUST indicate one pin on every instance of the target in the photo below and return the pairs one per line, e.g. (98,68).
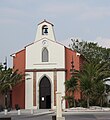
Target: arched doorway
(44,93)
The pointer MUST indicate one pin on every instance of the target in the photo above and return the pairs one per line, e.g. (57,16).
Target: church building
(47,65)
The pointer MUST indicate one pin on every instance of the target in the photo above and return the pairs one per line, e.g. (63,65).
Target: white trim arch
(45,75)
(38,89)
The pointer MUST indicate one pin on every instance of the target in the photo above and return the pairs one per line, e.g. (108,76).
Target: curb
(44,113)
(26,114)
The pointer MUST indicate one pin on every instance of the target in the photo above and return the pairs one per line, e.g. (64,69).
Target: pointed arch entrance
(44,93)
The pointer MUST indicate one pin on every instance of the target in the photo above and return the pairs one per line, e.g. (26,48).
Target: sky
(88,20)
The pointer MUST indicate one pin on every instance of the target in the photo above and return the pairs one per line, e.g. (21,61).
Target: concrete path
(40,112)
(28,112)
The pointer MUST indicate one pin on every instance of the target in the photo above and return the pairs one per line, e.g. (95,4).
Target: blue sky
(87,20)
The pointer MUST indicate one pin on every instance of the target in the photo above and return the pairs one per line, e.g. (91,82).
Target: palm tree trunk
(10,98)
(101,103)
(74,103)
(6,99)
(88,102)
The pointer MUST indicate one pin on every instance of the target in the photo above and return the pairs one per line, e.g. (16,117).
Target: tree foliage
(92,82)
(8,79)
(90,50)
(94,72)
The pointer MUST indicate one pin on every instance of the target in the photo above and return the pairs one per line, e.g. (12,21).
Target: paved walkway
(28,112)
(39,112)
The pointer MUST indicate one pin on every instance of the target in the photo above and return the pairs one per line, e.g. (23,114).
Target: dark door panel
(45,93)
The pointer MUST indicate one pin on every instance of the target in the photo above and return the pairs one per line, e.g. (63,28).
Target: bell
(46,30)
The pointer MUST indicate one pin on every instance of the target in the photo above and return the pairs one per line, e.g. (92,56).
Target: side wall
(68,59)
(18,92)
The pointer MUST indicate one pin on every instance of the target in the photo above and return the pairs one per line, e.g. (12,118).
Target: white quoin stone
(50,35)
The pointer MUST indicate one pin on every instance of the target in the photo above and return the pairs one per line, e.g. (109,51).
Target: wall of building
(34,61)
(69,55)
(34,55)
(18,92)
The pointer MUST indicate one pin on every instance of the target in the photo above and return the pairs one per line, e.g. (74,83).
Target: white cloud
(57,9)
(9,21)
(11,15)
(104,42)
(11,12)
(95,13)
(82,11)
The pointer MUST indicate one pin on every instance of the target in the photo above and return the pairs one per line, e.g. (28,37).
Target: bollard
(5,111)
(58,104)
(19,112)
(59,107)
(32,111)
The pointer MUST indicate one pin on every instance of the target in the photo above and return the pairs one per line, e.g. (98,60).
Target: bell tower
(45,30)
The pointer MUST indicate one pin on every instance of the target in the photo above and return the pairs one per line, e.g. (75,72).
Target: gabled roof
(47,39)
(46,22)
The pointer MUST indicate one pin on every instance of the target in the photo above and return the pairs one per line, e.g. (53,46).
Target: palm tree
(100,93)
(88,76)
(91,78)
(102,72)
(71,86)
(9,79)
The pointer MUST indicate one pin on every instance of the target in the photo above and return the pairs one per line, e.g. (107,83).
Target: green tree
(92,81)
(94,70)
(90,50)
(86,81)
(99,93)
